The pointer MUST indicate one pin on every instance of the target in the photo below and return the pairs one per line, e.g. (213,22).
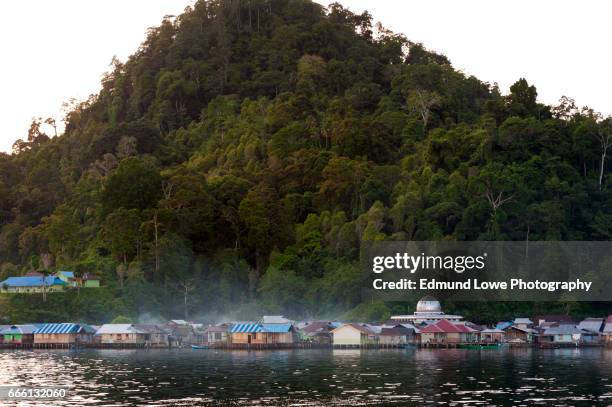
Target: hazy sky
(55,50)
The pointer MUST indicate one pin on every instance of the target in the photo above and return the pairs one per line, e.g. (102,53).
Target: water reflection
(317,377)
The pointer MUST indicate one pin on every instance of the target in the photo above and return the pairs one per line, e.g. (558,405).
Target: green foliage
(135,184)
(239,158)
(121,319)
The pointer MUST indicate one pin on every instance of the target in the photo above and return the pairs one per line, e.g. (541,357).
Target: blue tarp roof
(503,325)
(246,327)
(69,274)
(276,328)
(31,281)
(64,328)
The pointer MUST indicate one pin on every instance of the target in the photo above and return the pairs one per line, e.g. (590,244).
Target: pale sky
(56,50)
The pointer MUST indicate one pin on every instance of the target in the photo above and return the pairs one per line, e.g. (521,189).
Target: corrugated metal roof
(465,328)
(360,328)
(374,328)
(275,319)
(246,327)
(523,321)
(562,330)
(64,328)
(276,328)
(591,324)
(317,326)
(31,281)
(117,329)
(444,326)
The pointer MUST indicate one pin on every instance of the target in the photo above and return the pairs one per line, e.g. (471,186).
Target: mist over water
(317,377)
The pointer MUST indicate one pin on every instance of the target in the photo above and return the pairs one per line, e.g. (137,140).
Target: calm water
(317,377)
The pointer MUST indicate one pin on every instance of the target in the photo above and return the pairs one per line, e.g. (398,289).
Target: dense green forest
(236,161)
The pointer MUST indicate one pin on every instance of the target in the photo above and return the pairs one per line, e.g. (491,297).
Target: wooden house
(446,333)
(217,334)
(62,335)
(516,334)
(318,332)
(353,335)
(523,323)
(181,332)
(492,335)
(592,329)
(119,335)
(154,336)
(87,334)
(256,333)
(396,336)
(17,335)
(246,333)
(276,333)
(562,335)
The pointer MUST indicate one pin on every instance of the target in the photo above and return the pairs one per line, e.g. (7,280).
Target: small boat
(199,346)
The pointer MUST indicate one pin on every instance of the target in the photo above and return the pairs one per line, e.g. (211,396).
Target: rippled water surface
(317,377)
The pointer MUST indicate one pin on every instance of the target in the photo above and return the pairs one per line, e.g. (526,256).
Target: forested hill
(244,151)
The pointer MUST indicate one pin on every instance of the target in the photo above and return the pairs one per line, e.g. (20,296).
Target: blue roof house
(67,277)
(246,333)
(32,284)
(62,334)
(266,334)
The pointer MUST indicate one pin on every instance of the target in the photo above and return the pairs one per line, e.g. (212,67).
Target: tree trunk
(601,169)
(156,227)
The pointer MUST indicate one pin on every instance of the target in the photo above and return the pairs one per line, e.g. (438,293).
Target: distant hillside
(245,150)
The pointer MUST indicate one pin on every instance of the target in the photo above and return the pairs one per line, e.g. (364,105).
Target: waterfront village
(428,326)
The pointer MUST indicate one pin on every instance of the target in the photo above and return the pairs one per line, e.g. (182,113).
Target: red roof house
(445,332)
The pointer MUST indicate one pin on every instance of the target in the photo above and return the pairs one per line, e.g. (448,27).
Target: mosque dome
(429,304)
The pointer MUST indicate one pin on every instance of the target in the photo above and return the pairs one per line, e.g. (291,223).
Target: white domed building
(428,311)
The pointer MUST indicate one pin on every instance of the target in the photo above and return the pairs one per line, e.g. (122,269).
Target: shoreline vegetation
(236,162)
